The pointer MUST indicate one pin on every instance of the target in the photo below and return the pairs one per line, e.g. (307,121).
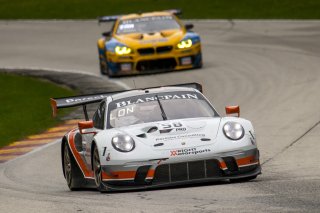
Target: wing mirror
(106,34)
(233,110)
(188,26)
(85,125)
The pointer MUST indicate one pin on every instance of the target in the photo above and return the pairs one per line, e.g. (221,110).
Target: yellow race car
(148,42)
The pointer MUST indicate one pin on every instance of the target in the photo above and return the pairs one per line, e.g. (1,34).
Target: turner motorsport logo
(190,151)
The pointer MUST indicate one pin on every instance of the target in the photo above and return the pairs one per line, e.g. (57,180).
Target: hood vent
(143,135)
(152,129)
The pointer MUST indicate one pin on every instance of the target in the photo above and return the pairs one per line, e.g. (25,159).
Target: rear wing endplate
(83,100)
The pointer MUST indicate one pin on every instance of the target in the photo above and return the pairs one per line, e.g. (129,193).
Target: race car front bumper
(150,60)
(150,175)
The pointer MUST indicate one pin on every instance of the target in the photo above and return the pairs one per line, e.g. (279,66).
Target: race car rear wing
(83,100)
(113,18)
(108,18)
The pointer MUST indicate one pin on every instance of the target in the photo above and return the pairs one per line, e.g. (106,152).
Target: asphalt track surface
(270,68)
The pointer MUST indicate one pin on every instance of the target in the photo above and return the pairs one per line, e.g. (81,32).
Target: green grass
(216,9)
(25,107)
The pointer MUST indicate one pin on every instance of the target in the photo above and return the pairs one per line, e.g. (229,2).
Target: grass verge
(202,9)
(25,107)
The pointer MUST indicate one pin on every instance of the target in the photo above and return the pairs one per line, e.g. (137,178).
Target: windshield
(146,108)
(147,25)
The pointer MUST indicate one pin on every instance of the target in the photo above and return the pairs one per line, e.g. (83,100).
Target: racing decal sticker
(108,157)
(126,26)
(154,41)
(175,137)
(143,99)
(189,151)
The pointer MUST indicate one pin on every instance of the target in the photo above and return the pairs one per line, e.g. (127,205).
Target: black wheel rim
(67,164)
(97,168)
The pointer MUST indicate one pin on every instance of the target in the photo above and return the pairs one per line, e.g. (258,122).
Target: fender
(69,138)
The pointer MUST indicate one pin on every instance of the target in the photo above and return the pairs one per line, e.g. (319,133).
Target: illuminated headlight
(122,50)
(184,44)
(123,143)
(233,130)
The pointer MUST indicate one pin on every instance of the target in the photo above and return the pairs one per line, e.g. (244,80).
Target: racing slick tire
(97,170)
(241,180)
(104,70)
(72,173)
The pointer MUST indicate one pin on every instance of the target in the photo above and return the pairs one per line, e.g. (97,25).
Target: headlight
(123,143)
(122,50)
(233,130)
(184,44)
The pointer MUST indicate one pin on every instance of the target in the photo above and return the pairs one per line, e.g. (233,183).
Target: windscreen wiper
(163,114)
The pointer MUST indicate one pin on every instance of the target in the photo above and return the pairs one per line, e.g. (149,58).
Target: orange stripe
(247,160)
(83,167)
(223,165)
(119,175)
(150,173)
(125,175)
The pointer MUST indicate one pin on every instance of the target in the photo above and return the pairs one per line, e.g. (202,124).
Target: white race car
(156,137)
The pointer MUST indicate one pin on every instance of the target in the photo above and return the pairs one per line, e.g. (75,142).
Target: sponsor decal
(175,137)
(88,98)
(153,98)
(181,129)
(189,151)
(146,19)
(154,41)
(108,157)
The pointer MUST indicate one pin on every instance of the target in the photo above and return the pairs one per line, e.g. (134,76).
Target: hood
(166,37)
(172,134)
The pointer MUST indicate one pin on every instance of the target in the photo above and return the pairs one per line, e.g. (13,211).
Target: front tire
(72,173)
(104,70)
(97,170)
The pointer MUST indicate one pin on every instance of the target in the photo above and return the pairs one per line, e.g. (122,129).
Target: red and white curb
(32,142)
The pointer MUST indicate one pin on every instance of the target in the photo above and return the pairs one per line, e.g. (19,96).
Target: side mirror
(84,125)
(233,110)
(106,34)
(188,26)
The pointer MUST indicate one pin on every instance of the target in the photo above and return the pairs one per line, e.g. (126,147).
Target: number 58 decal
(176,125)
(171,125)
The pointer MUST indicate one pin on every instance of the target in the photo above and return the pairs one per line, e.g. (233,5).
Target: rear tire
(72,173)
(241,180)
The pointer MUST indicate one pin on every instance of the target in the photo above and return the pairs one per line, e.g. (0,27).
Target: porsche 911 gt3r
(156,137)
(148,42)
